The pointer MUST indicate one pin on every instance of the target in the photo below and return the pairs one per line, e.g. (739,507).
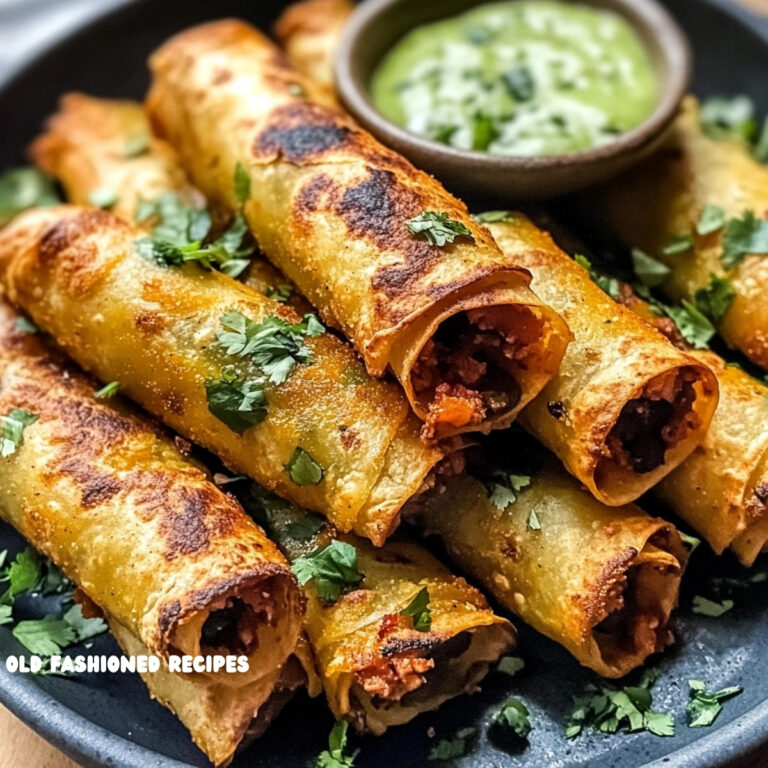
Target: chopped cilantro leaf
(609,285)
(694,327)
(715,299)
(107,391)
(136,145)
(102,197)
(12,435)
(22,574)
(242,182)
(515,715)
(306,527)
(678,244)
(239,403)
(274,345)
(510,665)
(418,609)
(483,134)
(24,325)
(437,228)
(46,636)
(490,217)
(712,218)
(744,236)
(690,541)
(84,628)
(23,188)
(520,83)
(332,569)
(5,614)
(704,707)
(706,607)
(336,755)
(533,523)
(281,293)
(728,118)
(459,745)
(649,271)
(303,469)
(503,487)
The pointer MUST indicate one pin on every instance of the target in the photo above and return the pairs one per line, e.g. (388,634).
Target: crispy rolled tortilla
(601,581)
(721,489)
(666,196)
(309,31)
(89,145)
(153,328)
(627,406)
(221,719)
(377,669)
(330,206)
(140,528)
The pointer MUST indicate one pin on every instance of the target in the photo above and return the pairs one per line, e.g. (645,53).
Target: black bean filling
(639,430)
(221,628)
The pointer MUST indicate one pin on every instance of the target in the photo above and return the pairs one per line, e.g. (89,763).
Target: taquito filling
(653,423)
(636,606)
(469,370)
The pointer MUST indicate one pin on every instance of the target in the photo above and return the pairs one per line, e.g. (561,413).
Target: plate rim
(94,746)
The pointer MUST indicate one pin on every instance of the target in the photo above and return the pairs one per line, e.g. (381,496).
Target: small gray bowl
(377,24)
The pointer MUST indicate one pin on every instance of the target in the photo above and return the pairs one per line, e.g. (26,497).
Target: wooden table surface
(20,747)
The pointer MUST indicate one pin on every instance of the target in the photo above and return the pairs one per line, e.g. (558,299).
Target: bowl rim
(649,16)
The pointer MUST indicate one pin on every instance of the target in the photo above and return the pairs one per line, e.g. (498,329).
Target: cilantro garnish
(6,616)
(712,218)
(239,403)
(510,665)
(728,118)
(107,391)
(649,271)
(611,710)
(484,132)
(678,244)
(303,469)
(49,635)
(503,487)
(715,299)
(694,327)
(706,607)
(533,523)
(102,197)
(608,284)
(332,569)
(742,237)
(281,293)
(520,83)
(704,707)
(490,217)
(690,541)
(336,755)
(462,743)
(136,145)
(12,435)
(514,714)
(418,609)
(242,184)
(23,188)
(437,228)
(306,527)
(22,575)
(24,325)
(274,345)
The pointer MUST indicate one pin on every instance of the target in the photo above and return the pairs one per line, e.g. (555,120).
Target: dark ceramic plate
(108,720)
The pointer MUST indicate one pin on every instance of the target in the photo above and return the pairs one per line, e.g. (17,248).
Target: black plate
(108,720)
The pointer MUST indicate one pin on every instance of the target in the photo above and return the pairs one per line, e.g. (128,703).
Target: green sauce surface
(521,77)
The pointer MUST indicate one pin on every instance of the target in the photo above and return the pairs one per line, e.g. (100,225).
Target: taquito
(309,31)
(601,581)
(140,528)
(383,251)
(721,489)
(379,665)
(232,370)
(221,720)
(94,144)
(627,406)
(699,205)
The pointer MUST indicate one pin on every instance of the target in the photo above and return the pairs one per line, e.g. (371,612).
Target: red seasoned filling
(234,627)
(649,425)
(392,678)
(467,370)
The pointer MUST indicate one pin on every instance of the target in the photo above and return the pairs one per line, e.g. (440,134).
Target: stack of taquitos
(378,668)
(456,322)
(146,536)
(664,199)
(157,330)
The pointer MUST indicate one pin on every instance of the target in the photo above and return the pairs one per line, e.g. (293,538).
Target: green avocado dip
(523,77)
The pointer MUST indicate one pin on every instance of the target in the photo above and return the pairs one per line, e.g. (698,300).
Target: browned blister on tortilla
(458,325)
